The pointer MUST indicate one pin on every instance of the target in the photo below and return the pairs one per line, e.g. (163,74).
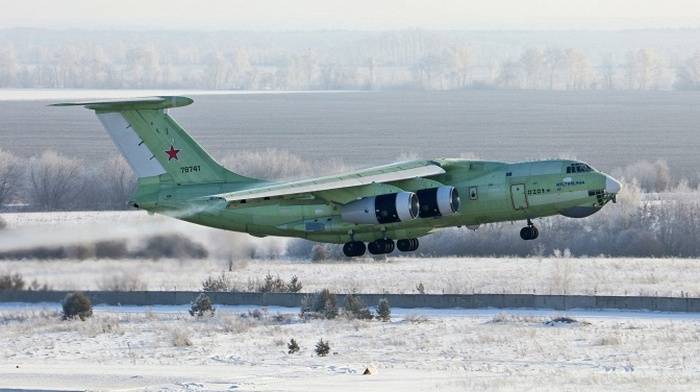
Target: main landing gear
(354,248)
(529,232)
(379,247)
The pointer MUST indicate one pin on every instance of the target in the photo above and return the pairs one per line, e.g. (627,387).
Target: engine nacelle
(389,208)
(440,201)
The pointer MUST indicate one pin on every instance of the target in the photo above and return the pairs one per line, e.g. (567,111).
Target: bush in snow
(420,288)
(355,308)
(383,310)
(320,305)
(78,305)
(11,282)
(319,252)
(292,346)
(322,348)
(175,246)
(272,285)
(294,285)
(217,283)
(202,306)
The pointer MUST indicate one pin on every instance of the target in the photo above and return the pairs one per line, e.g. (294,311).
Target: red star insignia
(172,153)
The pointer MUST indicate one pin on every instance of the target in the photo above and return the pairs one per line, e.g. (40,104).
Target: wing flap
(382,174)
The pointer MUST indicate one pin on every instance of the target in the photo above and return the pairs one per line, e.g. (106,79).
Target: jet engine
(440,201)
(389,208)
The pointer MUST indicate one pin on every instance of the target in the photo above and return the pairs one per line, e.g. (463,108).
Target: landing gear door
(517,194)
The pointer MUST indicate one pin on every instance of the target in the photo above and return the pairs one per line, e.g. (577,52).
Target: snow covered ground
(618,276)
(163,348)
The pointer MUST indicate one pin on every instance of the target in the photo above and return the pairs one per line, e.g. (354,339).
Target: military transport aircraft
(386,206)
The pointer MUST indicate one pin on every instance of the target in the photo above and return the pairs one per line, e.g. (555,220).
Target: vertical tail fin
(154,144)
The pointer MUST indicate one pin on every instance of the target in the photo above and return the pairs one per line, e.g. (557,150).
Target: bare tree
(8,66)
(534,65)
(644,68)
(688,75)
(555,60)
(10,174)
(579,70)
(54,181)
(607,71)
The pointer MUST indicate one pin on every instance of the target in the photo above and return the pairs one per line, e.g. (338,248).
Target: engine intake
(389,208)
(440,201)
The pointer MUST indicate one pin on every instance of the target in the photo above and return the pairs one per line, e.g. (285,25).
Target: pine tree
(355,308)
(292,346)
(322,348)
(383,310)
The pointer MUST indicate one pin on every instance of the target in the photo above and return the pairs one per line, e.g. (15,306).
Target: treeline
(410,59)
(53,182)
(655,215)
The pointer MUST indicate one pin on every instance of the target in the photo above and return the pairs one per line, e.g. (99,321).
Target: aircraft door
(517,194)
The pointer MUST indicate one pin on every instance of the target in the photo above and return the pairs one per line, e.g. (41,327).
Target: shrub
(202,306)
(420,288)
(122,282)
(322,348)
(294,285)
(176,246)
(11,282)
(319,252)
(272,285)
(383,310)
(180,338)
(292,346)
(355,308)
(320,305)
(114,249)
(78,305)
(218,283)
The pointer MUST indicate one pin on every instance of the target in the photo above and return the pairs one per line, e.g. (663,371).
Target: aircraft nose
(612,185)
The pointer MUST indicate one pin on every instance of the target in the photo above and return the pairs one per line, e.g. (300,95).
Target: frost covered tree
(643,69)
(688,74)
(11,173)
(54,181)
(383,310)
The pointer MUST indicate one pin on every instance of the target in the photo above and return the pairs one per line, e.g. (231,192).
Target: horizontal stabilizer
(147,103)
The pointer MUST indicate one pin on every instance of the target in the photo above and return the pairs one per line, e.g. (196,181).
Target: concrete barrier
(437,301)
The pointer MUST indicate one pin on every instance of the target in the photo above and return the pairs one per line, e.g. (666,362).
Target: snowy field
(620,276)
(541,275)
(163,348)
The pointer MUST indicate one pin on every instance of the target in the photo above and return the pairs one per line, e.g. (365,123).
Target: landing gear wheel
(354,248)
(529,232)
(380,247)
(407,245)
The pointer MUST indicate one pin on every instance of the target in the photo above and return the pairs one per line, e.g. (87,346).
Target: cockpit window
(578,168)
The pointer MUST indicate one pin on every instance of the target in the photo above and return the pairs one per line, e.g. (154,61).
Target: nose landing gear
(529,232)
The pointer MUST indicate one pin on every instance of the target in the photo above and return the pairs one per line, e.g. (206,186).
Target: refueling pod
(439,201)
(389,208)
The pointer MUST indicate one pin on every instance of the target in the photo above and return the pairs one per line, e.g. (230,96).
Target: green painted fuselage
(489,192)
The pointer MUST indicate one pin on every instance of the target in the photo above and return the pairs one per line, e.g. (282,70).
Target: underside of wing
(372,177)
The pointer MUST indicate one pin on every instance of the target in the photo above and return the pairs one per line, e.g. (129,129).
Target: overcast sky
(350,14)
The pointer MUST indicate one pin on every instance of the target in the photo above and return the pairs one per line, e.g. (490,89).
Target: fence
(437,301)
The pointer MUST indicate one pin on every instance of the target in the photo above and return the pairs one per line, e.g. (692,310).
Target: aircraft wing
(366,177)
